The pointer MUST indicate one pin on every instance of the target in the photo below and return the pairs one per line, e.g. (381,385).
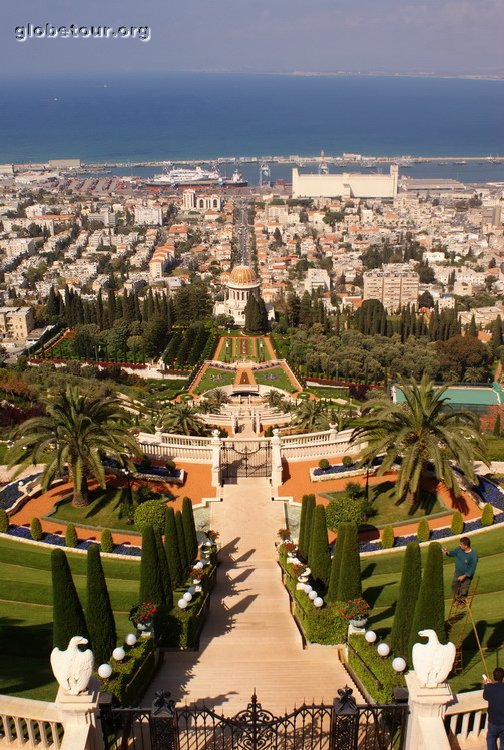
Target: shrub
(344,509)
(332,592)
(36,529)
(71,536)
(387,537)
(170,466)
(323,464)
(133,674)
(308,504)
(151,584)
(99,616)
(68,617)
(354,490)
(350,586)
(106,542)
(347,461)
(320,558)
(182,548)
(375,672)
(429,608)
(190,537)
(151,513)
(411,579)
(487,515)
(4,521)
(172,550)
(457,523)
(165,571)
(423,531)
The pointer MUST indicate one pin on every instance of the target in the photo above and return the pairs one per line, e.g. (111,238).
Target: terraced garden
(381,576)
(234,348)
(276,377)
(213,377)
(26,612)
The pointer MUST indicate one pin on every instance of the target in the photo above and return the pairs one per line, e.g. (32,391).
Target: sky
(266,36)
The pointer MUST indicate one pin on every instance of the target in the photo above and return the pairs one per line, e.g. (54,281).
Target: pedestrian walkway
(250,640)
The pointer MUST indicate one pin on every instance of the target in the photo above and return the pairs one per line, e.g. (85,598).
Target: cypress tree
(151,583)
(320,558)
(164,569)
(350,586)
(497,426)
(302,526)
(429,608)
(179,525)
(332,593)
(411,579)
(171,549)
(310,507)
(68,617)
(191,540)
(99,616)
(472,330)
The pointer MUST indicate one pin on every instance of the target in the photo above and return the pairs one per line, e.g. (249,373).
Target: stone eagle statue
(432,661)
(73,668)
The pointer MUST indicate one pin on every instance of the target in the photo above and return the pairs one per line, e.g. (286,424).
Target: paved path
(250,639)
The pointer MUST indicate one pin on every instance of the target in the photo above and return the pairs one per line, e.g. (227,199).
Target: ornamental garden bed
(337,471)
(274,376)
(214,377)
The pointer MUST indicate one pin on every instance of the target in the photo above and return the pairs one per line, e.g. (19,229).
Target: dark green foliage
(429,609)
(68,617)
(253,316)
(190,538)
(497,426)
(375,672)
(334,578)
(347,461)
(319,558)
(71,536)
(306,524)
(344,510)
(150,513)
(457,523)
(4,521)
(409,588)
(324,464)
(350,586)
(182,547)
(487,516)
(99,615)
(387,537)
(151,583)
(106,543)
(164,569)
(132,676)
(36,529)
(171,549)
(423,531)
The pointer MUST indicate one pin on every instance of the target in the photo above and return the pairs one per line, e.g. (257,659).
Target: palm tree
(182,419)
(76,431)
(311,416)
(474,375)
(215,400)
(276,400)
(419,433)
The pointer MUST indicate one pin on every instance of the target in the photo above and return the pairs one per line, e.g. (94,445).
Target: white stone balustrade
(466,720)
(26,723)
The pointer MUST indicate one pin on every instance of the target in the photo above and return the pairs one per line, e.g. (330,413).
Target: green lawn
(495,447)
(26,612)
(327,392)
(276,377)
(382,498)
(256,350)
(381,576)
(215,378)
(102,511)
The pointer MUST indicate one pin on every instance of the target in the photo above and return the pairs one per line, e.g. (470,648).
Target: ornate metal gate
(246,459)
(340,726)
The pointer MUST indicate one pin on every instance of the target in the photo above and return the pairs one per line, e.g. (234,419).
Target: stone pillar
(276,459)
(79,716)
(427,706)
(216,458)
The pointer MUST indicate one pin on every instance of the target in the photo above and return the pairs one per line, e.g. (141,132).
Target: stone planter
(359,624)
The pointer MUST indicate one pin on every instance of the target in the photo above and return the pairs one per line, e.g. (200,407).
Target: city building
(241,284)
(149,215)
(193,201)
(16,322)
(345,184)
(317,278)
(395,288)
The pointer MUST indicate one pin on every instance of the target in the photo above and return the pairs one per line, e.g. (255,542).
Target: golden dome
(242,275)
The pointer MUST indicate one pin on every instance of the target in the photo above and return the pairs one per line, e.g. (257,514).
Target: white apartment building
(193,201)
(317,278)
(16,322)
(395,288)
(149,215)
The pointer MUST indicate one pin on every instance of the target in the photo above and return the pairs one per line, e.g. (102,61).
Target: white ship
(184,176)
(236,180)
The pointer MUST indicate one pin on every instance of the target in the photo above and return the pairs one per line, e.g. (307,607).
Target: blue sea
(203,116)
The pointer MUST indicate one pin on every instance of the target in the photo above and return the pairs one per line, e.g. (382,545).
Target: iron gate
(340,726)
(242,459)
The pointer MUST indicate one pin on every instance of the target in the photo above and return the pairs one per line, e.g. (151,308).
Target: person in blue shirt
(466,560)
(493,692)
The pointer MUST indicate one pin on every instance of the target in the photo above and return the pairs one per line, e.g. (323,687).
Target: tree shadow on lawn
(372,593)
(25,661)
(495,638)
(368,571)
(385,614)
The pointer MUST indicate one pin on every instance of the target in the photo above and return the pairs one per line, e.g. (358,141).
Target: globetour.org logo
(74,31)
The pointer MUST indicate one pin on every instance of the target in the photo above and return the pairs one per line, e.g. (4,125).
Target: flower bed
(375,672)
(489,492)
(324,475)
(11,493)
(131,676)
(23,532)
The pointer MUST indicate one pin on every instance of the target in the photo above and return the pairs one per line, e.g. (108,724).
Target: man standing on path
(466,560)
(493,692)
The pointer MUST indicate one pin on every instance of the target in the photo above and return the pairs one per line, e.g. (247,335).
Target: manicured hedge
(132,676)
(374,671)
(184,625)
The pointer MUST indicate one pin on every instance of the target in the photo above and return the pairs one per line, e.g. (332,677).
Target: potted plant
(197,574)
(356,611)
(289,547)
(142,616)
(284,534)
